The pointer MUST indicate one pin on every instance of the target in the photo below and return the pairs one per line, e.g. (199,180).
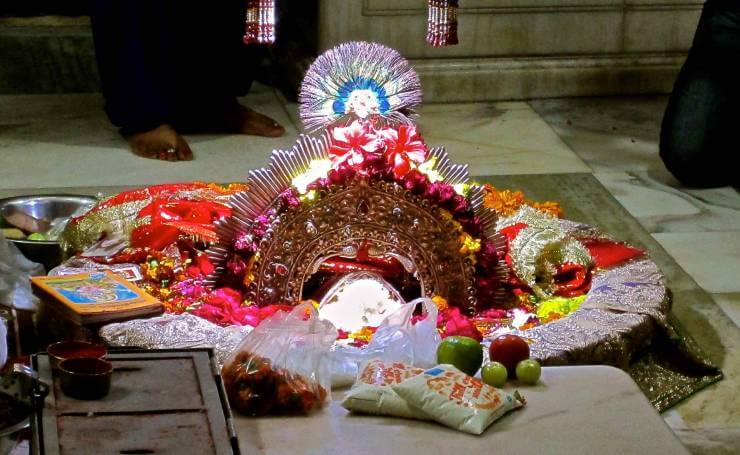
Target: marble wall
(517,49)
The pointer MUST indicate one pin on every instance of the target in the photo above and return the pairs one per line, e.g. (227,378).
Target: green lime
(465,353)
(36,236)
(494,374)
(13,234)
(528,371)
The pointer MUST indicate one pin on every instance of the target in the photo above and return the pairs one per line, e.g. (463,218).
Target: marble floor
(53,141)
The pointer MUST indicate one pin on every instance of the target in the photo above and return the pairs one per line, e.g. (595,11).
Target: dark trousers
(698,138)
(170,61)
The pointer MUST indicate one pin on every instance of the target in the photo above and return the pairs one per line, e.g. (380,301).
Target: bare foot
(244,120)
(161,143)
(256,124)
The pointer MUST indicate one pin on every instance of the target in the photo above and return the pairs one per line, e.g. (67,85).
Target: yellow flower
(364,334)
(557,307)
(469,244)
(441,302)
(427,168)
(316,170)
(249,275)
(309,196)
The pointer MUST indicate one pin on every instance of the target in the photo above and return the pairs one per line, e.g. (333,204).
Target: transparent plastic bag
(281,367)
(3,341)
(398,339)
(15,271)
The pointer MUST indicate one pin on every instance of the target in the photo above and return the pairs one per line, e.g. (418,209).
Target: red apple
(509,350)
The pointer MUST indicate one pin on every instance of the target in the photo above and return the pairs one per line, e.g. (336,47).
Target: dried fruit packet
(457,400)
(372,392)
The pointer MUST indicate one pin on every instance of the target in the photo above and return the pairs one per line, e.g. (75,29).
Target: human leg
(132,45)
(702,113)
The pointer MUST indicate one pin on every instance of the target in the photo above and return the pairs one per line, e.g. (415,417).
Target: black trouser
(170,61)
(699,135)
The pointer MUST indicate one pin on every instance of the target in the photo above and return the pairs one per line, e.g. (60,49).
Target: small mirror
(358,300)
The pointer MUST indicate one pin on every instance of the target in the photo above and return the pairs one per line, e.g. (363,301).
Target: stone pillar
(518,49)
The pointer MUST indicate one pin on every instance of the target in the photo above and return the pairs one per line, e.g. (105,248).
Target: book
(95,297)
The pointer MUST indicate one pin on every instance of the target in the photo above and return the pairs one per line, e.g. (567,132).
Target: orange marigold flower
(552,316)
(549,207)
(528,325)
(507,202)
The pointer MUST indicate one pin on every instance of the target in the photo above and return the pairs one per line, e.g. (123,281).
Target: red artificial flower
(201,266)
(353,144)
(607,253)
(224,307)
(403,146)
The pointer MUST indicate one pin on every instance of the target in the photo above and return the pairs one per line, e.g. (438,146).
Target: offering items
(256,388)
(464,353)
(443,393)
(494,374)
(528,371)
(457,400)
(281,367)
(509,350)
(372,392)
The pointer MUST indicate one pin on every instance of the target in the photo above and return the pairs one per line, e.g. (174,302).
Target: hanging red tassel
(260,22)
(442,22)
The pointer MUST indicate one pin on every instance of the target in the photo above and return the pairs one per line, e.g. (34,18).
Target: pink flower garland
(360,146)
(403,146)
(354,144)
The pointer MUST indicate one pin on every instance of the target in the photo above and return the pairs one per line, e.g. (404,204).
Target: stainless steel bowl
(48,207)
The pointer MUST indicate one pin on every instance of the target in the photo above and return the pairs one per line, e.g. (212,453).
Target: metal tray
(160,402)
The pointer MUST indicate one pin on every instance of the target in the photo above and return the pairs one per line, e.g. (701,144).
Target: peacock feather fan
(358,80)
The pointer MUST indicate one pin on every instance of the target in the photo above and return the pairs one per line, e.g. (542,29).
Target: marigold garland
(507,202)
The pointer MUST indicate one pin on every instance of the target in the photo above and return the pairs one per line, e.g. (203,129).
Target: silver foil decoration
(353,68)
(175,331)
(618,317)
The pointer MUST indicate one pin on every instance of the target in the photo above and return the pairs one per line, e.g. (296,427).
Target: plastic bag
(3,341)
(457,400)
(397,339)
(15,272)
(281,367)
(372,392)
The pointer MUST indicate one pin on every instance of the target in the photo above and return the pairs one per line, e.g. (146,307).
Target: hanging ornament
(442,22)
(260,22)
(358,80)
